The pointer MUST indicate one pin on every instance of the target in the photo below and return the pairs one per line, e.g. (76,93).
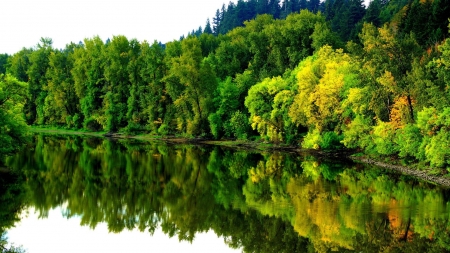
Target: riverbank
(425,174)
(440,178)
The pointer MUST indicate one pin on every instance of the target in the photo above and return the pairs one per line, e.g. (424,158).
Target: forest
(321,75)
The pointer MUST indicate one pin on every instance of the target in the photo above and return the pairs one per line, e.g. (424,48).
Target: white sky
(24,22)
(57,234)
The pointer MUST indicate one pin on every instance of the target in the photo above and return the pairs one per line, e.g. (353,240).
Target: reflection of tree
(12,198)
(260,202)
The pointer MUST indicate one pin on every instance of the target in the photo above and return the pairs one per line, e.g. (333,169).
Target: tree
(197,81)
(147,101)
(13,128)
(217,19)
(88,75)
(230,116)
(266,104)
(117,83)
(61,103)
(208,28)
(37,82)
(388,60)
(373,13)
(19,64)
(3,63)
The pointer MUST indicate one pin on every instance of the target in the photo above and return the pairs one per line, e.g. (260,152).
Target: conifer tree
(208,27)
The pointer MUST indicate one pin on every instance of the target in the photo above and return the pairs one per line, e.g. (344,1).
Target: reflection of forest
(261,202)
(12,200)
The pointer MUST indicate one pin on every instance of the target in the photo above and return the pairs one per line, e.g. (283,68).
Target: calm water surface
(105,195)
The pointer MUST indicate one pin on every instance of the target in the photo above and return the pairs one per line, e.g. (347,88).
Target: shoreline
(440,180)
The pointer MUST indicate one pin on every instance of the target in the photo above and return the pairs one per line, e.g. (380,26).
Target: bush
(239,125)
(437,151)
(312,140)
(330,141)
(357,134)
(408,140)
(383,138)
(163,129)
(92,124)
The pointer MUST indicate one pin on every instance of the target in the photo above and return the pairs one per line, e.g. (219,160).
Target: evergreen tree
(274,8)
(208,27)
(313,5)
(3,63)
(217,19)
(302,5)
(373,13)
(262,6)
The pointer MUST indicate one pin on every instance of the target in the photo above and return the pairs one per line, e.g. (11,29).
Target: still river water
(95,193)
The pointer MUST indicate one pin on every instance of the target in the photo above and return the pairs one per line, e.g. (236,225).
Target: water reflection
(258,202)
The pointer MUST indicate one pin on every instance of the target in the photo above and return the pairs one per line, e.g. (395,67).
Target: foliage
(12,123)
(277,70)
(258,201)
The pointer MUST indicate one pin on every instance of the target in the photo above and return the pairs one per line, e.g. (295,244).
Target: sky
(57,234)
(24,22)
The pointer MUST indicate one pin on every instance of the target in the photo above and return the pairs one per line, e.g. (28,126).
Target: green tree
(61,103)
(88,75)
(208,28)
(19,64)
(230,116)
(196,83)
(116,56)
(13,128)
(3,63)
(147,101)
(267,103)
(323,81)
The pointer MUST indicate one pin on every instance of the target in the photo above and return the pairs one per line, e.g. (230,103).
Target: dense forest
(322,75)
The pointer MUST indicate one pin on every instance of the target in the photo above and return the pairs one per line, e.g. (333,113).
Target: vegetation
(259,202)
(13,200)
(323,75)
(12,125)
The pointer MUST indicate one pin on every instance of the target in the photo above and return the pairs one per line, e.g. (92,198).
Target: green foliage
(260,202)
(13,128)
(89,80)
(163,130)
(239,125)
(323,35)
(191,82)
(312,140)
(409,140)
(61,102)
(435,128)
(323,141)
(37,82)
(3,63)
(383,138)
(282,78)
(357,134)
(226,103)
(330,141)
(264,114)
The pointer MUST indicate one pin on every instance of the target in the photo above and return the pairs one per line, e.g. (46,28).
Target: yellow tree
(323,81)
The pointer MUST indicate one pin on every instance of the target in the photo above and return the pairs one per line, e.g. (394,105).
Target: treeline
(293,80)
(427,19)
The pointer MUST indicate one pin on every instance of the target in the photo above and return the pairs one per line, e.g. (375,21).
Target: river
(83,194)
